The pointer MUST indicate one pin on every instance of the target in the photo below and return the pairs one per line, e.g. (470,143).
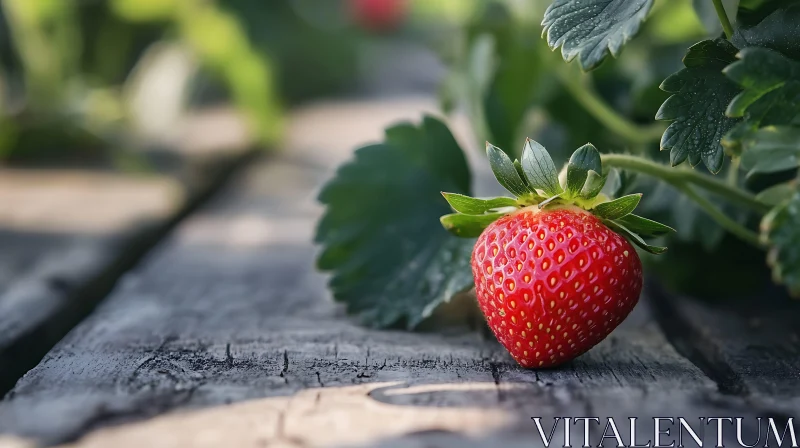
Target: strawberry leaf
(665,203)
(778,31)
(771,94)
(758,71)
(391,262)
(500,75)
(781,230)
(468,226)
(769,73)
(521,172)
(635,238)
(506,172)
(643,226)
(594,184)
(475,206)
(591,29)
(540,171)
(618,207)
(523,62)
(618,182)
(583,160)
(777,107)
(771,149)
(701,94)
(777,194)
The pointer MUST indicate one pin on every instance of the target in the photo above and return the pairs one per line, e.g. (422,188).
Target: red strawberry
(553,283)
(378,15)
(554,268)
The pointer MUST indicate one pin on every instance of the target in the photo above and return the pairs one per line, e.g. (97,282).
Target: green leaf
(701,94)
(777,194)
(497,89)
(465,86)
(468,226)
(778,31)
(758,71)
(481,62)
(777,107)
(643,226)
(666,204)
(781,230)
(590,29)
(521,172)
(520,82)
(635,239)
(476,206)
(618,182)
(771,149)
(584,159)
(540,169)
(389,257)
(594,184)
(771,93)
(505,172)
(618,207)
(446,160)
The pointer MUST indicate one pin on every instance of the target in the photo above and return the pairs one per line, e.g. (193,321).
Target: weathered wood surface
(750,347)
(66,235)
(226,336)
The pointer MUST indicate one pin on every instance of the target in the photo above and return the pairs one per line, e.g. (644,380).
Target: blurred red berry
(378,15)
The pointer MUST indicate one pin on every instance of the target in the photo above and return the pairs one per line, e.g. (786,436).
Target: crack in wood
(285,368)
(93,283)
(228,356)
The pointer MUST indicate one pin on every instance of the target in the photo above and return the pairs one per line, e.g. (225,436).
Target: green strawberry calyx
(534,182)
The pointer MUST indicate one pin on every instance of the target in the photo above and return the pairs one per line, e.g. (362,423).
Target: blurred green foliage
(217,38)
(68,67)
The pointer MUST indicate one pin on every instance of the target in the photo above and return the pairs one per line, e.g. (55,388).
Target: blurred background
(91,80)
(131,89)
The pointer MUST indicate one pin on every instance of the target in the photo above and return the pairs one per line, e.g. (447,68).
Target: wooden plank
(751,347)
(226,335)
(67,234)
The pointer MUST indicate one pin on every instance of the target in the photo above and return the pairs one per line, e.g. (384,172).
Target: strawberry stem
(686,181)
(680,177)
(733,173)
(605,114)
(723,18)
(722,219)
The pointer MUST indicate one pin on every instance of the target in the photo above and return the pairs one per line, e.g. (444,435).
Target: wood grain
(67,235)
(750,347)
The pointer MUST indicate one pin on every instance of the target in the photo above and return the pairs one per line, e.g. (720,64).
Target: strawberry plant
(727,118)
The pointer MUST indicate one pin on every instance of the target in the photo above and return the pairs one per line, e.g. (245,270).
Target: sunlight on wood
(330,131)
(14,442)
(318,417)
(82,202)
(247,230)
